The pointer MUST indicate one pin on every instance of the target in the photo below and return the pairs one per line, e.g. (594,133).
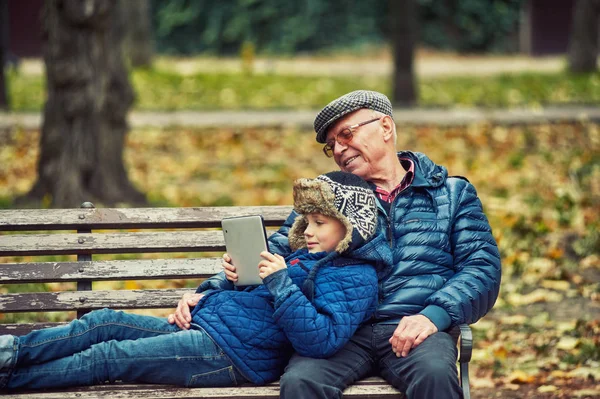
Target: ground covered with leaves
(540,186)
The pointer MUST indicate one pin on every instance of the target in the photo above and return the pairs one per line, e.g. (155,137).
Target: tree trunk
(84,128)
(583,45)
(403,30)
(4,105)
(138,32)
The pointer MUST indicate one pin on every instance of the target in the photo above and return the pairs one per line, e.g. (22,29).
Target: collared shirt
(409,166)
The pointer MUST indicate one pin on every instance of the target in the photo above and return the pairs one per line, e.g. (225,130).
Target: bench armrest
(465,350)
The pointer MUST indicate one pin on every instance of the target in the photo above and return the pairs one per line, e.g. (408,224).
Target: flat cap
(347,103)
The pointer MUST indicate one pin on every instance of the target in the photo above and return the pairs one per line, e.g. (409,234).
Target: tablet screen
(245,239)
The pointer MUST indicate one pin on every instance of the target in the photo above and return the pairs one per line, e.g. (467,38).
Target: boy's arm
(344,298)
(278,243)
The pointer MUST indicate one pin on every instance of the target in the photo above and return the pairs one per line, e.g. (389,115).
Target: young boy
(311,305)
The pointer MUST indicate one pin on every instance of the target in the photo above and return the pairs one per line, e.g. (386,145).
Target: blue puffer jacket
(260,327)
(446,263)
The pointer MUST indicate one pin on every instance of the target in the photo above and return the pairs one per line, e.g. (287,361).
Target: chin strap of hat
(308,288)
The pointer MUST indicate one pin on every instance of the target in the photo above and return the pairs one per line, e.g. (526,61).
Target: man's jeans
(107,345)
(429,371)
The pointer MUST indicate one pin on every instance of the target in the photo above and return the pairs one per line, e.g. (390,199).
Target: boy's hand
(270,264)
(182,316)
(229,269)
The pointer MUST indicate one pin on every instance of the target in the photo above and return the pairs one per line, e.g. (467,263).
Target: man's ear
(388,128)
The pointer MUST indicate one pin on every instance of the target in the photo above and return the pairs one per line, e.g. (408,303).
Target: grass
(163,89)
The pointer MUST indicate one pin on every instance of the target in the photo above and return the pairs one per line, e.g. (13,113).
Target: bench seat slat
(130,218)
(367,389)
(97,299)
(112,270)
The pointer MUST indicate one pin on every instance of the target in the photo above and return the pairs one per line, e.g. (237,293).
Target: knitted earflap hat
(340,195)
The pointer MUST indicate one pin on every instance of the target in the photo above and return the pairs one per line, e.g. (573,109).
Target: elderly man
(445,269)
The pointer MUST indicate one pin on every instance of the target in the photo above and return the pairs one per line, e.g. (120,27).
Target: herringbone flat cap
(349,103)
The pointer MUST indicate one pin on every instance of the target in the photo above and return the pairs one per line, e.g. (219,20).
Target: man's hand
(229,269)
(270,264)
(182,316)
(410,333)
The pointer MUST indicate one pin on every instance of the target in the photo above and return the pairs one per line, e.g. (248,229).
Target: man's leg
(327,378)
(429,370)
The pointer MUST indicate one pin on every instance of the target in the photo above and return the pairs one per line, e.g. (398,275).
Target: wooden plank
(142,269)
(375,388)
(24,328)
(132,218)
(112,243)
(73,300)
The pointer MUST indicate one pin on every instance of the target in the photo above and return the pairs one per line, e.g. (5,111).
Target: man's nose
(339,148)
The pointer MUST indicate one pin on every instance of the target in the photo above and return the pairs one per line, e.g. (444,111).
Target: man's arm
(472,291)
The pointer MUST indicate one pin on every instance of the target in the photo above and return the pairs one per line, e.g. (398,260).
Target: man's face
(361,155)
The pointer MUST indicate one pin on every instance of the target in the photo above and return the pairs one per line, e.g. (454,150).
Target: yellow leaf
(558,285)
(520,377)
(568,343)
(547,389)
(132,285)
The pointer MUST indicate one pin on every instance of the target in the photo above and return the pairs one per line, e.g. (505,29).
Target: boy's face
(323,233)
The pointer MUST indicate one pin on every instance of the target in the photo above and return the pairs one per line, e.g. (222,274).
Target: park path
(379,64)
(305,118)
(426,65)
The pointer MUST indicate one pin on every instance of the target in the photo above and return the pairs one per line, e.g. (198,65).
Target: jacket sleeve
(344,298)
(278,241)
(472,291)
(216,282)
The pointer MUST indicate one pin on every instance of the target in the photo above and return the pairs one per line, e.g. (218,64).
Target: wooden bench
(88,231)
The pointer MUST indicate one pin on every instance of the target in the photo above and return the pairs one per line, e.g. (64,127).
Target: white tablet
(245,239)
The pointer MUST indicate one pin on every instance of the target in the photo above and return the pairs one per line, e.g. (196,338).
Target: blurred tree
(583,46)
(3,52)
(138,32)
(84,128)
(403,30)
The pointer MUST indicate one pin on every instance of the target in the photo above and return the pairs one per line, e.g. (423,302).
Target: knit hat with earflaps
(340,195)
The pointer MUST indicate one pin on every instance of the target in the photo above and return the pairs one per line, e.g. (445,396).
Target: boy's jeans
(108,345)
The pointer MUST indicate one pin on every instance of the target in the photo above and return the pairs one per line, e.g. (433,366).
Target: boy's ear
(388,128)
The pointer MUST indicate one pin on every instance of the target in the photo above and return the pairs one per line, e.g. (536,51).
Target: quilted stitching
(258,338)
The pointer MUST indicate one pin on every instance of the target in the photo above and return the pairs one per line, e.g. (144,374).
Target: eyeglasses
(344,137)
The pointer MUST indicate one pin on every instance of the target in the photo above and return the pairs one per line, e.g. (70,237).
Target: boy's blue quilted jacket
(261,326)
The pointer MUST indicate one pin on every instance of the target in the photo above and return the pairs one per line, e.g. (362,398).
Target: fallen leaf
(568,343)
(559,285)
(547,388)
(520,377)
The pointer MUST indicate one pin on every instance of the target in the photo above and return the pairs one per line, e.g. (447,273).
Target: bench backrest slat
(132,233)
(111,243)
(72,300)
(132,218)
(143,269)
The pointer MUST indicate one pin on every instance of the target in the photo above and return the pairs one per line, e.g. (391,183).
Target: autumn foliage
(540,187)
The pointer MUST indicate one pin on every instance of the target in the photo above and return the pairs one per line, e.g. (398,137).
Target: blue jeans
(429,371)
(107,345)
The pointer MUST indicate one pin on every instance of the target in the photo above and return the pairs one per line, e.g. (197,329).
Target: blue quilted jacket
(260,327)
(446,263)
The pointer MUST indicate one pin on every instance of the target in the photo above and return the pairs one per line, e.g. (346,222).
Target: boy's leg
(185,358)
(98,326)
(310,378)
(429,371)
